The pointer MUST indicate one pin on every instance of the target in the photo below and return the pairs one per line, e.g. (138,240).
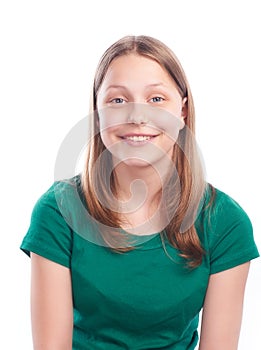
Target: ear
(184,110)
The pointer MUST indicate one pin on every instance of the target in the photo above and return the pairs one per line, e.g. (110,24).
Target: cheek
(173,127)
(106,137)
(169,123)
(111,118)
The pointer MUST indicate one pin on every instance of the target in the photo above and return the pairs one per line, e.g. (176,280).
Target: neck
(139,192)
(140,186)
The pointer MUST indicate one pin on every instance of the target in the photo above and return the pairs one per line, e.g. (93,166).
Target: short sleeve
(48,235)
(231,241)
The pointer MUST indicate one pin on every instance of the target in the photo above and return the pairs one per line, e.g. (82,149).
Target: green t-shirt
(145,298)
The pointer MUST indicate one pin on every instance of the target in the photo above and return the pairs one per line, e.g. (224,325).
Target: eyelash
(158,97)
(114,100)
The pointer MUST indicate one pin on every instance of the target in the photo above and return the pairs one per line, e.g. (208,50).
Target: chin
(136,163)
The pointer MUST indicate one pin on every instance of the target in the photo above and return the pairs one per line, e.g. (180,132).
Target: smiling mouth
(138,137)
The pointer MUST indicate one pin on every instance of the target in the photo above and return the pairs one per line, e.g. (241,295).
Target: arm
(51,305)
(222,311)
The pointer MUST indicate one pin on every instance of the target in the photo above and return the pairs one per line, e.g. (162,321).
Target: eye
(117,100)
(157,99)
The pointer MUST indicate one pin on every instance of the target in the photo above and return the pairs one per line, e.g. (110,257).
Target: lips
(138,138)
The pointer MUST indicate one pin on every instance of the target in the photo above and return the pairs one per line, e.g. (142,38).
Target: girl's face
(140,110)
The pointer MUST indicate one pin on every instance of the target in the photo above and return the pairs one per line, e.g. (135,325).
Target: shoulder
(221,208)
(54,207)
(225,211)
(58,192)
(50,232)
(228,232)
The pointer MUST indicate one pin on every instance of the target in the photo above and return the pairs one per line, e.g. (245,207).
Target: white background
(49,50)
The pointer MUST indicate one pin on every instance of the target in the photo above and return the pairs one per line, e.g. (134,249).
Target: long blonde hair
(180,231)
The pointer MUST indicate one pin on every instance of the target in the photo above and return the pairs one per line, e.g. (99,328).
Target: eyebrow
(116,86)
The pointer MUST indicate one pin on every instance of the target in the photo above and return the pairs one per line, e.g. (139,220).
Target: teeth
(138,138)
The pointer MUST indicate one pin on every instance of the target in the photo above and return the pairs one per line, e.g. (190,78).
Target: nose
(137,115)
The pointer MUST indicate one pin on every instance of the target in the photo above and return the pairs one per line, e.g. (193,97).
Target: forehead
(133,60)
(136,67)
